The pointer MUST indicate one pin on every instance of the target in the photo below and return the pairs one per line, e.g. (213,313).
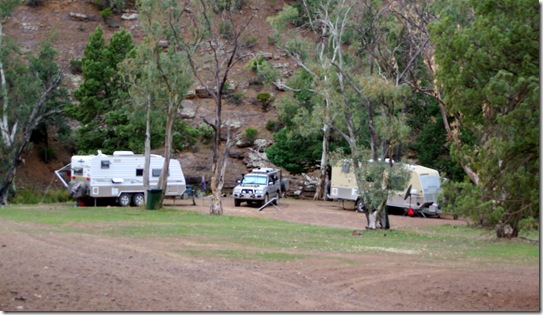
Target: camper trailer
(420,193)
(120,176)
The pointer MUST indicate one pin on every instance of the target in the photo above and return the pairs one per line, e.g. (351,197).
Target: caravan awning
(63,171)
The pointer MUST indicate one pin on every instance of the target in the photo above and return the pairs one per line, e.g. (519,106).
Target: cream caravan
(420,193)
(119,175)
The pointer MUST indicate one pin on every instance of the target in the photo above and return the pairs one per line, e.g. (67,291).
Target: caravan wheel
(359,205)
(124,200)
(138,200)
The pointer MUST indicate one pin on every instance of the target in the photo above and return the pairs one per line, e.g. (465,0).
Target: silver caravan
(120,175)
(420,193)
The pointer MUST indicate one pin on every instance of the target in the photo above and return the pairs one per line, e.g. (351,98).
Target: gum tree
(30,92)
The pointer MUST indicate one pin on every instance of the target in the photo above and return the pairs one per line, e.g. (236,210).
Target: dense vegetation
(452,85)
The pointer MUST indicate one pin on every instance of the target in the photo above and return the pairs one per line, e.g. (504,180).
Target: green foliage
(110,5)
(225,30)
(104,122)
(205,133)
(266,99)
(250,134)
(430,141)
(273,125)
(263,70)
(280,22)
(236,98)
(228,5)
(287,154)
(33,3)
(249,42)
(106,13)
(489,69)
(76,66)
(28,197)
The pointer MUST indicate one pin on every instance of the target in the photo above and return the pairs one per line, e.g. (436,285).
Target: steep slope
(69,24)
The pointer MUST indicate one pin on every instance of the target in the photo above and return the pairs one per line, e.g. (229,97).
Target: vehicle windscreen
(252,179)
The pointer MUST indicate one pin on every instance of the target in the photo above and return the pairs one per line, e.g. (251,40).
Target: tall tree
(209,35)
(104,123)
(30,93)
(489,76)
(349,91)
(162,74)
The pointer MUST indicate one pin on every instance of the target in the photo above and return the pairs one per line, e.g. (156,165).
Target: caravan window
(139,172)
(105,164)
(78,171)
(156,172)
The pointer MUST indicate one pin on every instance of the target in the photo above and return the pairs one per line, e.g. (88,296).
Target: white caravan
(420,193)
(119,175)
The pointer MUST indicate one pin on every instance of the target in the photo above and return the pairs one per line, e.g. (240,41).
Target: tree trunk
(453,137)
(163,179)
(216,204)
(16,149)
(147,150)
(320,193)
(8,179)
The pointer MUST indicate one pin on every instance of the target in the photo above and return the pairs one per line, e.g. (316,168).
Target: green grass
(272,240)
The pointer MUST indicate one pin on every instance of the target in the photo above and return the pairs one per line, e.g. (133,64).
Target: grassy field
(272,240)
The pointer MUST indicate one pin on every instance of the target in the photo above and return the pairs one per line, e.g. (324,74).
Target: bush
(28,196)
(250,134)
(273,125)
(205,132)
(225,29)
(76,66)
(265,99)
(249,42)
(236,98)
(106,14)
(33,3)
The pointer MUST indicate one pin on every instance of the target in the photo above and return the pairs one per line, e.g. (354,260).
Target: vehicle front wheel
(237,202)
(266,199)
(124,200)
(138,200)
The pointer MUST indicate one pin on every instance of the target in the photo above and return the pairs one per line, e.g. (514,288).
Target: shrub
(249,42)
(273,125)
(76,66)
(33,3)
(206,133)
(106,14)
(236,98)
(250,134)
(28,196)
(225,29)
(265,99)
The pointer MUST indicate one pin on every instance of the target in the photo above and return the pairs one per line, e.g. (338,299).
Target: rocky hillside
(69,23)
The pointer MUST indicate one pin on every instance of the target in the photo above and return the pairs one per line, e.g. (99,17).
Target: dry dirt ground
(42,271)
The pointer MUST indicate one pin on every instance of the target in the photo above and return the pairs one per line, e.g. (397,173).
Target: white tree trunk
(147,149)
(7,136)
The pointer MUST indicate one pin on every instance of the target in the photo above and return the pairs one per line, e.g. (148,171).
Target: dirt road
(42,271)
